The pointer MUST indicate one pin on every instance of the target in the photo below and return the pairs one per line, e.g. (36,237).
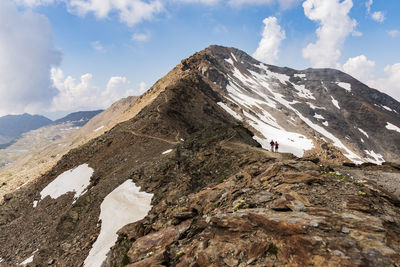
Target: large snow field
(122,206)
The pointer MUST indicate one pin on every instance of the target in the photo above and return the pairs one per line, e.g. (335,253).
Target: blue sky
(89,55)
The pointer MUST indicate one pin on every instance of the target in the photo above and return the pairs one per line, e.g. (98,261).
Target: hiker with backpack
(272,143)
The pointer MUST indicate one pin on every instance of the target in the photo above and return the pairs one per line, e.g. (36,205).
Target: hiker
(272,143)
(276,146)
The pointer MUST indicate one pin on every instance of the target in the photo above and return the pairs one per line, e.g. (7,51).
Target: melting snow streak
(392,127)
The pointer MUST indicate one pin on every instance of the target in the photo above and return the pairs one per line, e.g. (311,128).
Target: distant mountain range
(13,126)
(79,118)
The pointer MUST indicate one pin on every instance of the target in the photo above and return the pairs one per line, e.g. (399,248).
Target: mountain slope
(12,126)
(219,199)
(328,108)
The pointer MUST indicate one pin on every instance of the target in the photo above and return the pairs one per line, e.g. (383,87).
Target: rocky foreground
(271,211)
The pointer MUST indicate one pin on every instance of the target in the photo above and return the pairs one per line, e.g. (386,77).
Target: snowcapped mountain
(313,112)
(177,177)
(79,118)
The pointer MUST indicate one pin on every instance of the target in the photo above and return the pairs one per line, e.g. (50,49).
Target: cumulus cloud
(359,67)
(389,84)
(334,27)
(78,94)
(130,12)
(27,54)
(378,16)
(272,36)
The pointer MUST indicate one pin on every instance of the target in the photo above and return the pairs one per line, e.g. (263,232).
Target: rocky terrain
(219,198)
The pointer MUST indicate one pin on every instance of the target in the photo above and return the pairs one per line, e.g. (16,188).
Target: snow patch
(122,206)
(303,92)
(362,140)
(300,75)
(314,107)
(98,129)
(283,78)
(325,123)
(335,102)
(230,111)
(230,61)
(392,127)
(28,260)
(363,132)
(35,203)
(233,56)
(167,151)
(345,86)
(319,117)
(75,180)
(389,109)
(374,157)
(288,141)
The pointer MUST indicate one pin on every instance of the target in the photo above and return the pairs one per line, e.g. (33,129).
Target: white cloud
(359,67)
(334,27)
(378,16)
(285,4)
(83,93)
(368,5)
(272,36)
(142,87)
(389,84)
(394,33)
(141,37)
(27,53)
(207,2)
(357,33)
(130,12)
(34,3)
(96,45)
